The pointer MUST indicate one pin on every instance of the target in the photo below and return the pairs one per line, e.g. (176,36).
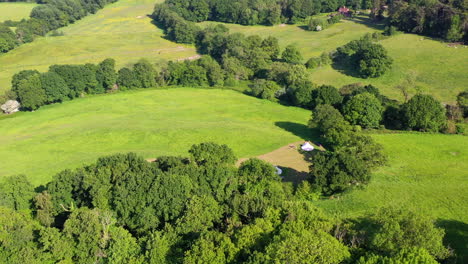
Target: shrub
(423,112)
(292,55)
(364,110)
(265,89)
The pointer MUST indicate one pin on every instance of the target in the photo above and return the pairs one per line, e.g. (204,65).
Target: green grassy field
(121,31)
(310,43)
(151,123)
(427,173)
(15,11)
(434,67)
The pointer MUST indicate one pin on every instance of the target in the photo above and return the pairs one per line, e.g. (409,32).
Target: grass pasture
(432,66)
(310,43)
(121,30)
(15,11)
(427,173)
(151,123)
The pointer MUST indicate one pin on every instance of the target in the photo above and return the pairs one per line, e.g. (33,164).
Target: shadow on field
(345,66)
(365,20)
(297,129)
(456,237)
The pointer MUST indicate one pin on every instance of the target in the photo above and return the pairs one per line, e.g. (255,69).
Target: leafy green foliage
(7,39)
(265,89)
(30,92)
(212,153)
(106,75)
(144,74)
(364,110)
(423,112)
(462,100)
(370,59)
(291,54)
(16,192)
(56,89)
(326,94)
(398,230)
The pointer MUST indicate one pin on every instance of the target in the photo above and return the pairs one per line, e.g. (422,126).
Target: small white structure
(307,146)
(11,106)
(278,170)
(318,28)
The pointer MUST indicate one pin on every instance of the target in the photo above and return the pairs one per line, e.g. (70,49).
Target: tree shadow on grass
(299,130)
(345,66)
(456,237)
(365,20)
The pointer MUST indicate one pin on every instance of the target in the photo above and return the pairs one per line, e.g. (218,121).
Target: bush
(292,55)
(424,113)
(364,110)
(265,89)
(370,59)
(326,94)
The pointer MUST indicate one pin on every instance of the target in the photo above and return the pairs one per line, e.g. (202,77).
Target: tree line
(272,74)
(50,15)
(441,19)
(197,209)
(264,12)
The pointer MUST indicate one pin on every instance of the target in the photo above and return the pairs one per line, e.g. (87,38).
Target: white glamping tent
(307,146)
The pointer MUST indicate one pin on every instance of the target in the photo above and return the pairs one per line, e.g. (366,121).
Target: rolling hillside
(15,11)
(122,31)
(150,123)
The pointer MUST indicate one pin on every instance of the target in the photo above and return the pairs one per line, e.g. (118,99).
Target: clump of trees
(195,209)
(48,16)
(351,155)
(369,59)
(440,19)
(66,82)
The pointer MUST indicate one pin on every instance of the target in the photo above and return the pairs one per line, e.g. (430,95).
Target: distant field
(310,43)
(15,11)
(436,69)
(121,30)
(151,123)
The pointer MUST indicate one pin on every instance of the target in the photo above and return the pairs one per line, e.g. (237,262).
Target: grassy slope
(15,11)
(427,172)
(151,123)
(436,68)
(121,30)
(310,43)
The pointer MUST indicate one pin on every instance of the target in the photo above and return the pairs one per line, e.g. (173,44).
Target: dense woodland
(446,20)
(203,209)
(44,18)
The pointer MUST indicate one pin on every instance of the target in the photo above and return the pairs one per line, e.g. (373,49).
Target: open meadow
(429,65)
(310,43)
(150,123)
(425,65)
(427,173)
(121,30)
(15,11)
